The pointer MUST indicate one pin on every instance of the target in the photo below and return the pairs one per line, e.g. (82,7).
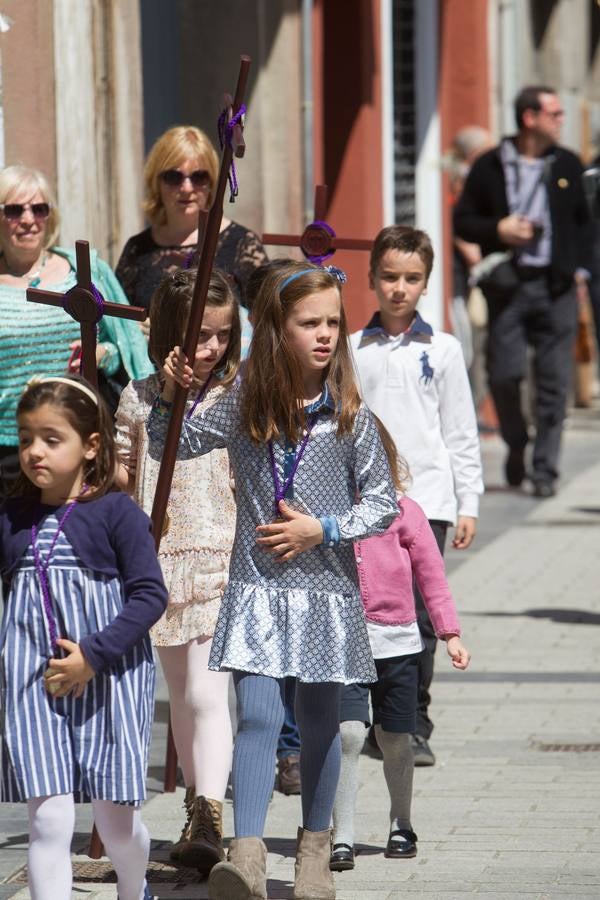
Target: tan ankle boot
(188,803)
(204,847)
(244,875)
(313,879)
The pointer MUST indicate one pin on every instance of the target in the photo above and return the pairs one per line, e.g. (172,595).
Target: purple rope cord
(98,298)
(319,260)
(225,128)
(42,566)
(281,489)
(199,398)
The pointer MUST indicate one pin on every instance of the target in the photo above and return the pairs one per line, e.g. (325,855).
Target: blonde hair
(171,149)
(24,178)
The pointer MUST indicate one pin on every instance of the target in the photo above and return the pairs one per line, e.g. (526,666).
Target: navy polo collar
(418,326)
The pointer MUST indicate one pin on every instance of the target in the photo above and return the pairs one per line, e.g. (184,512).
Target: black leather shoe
(342,858)
(514,467)
(402,844)
(543,489)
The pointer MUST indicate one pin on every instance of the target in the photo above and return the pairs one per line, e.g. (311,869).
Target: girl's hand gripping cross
(291,535)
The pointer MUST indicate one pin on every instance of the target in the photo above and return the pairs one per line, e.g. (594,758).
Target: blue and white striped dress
(95,747)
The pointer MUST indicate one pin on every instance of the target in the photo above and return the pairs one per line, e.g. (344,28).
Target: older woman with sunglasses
(179,180)
(37,339)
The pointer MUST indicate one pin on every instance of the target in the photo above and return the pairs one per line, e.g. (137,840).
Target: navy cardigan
(111,536)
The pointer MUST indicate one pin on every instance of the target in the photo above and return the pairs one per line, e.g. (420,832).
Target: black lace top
(144,263)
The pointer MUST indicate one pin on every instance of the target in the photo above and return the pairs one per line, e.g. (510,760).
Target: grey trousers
(532,317)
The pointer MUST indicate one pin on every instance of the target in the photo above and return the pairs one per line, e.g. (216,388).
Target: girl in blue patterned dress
(76,666)
(311,477)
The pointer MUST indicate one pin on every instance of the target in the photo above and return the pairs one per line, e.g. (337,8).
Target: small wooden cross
(318,241)
(82,306)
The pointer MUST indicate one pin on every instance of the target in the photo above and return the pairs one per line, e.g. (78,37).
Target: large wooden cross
(208,236)
(81,304)
(318,241)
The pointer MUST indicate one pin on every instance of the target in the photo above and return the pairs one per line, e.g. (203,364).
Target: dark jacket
(483,203)
(111,536)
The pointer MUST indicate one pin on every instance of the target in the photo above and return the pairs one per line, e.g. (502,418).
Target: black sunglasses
(174,178)
(14,211)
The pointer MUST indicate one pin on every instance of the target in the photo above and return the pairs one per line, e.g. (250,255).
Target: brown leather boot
(244,875)
(313,879)
(288,774)
(204,847)
(188,804)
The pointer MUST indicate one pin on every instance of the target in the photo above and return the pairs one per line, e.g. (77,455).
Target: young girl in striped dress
(311,477)
(76,668)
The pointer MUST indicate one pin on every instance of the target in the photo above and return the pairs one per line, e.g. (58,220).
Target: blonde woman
(36,338)
(179,180)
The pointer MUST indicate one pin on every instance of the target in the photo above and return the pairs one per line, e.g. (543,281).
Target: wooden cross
(208,236)
(318,241)
(82,306)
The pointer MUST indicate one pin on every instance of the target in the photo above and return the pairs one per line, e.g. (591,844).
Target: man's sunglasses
(174,178)
(14,211)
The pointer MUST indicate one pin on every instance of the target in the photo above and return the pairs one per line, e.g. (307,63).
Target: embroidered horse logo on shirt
(426,369)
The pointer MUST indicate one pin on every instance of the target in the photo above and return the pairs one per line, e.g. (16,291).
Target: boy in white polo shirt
(415,380)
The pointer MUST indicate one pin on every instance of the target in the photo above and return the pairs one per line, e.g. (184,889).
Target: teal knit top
(34,340)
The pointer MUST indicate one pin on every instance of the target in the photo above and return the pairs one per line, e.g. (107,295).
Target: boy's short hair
(406,240)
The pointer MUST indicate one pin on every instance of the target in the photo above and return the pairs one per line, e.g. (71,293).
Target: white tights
(199,716)
(51,823)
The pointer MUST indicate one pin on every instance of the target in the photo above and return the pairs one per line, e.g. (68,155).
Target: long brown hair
(170,310)
(86,417)
(272,390)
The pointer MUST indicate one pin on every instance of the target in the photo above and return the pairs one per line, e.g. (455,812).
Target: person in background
(35,338)
(524,199)
(469,142)
(180,177)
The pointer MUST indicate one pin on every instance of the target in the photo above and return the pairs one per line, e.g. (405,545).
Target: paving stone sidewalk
(512,807)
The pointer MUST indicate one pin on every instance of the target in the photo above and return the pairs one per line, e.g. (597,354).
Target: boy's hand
(293,535)
(64,676)
(459,654)
(466,526)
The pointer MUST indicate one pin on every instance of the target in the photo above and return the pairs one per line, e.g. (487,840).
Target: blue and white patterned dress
(95,747)
(302,618)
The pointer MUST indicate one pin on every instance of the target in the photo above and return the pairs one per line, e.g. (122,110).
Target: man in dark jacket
(526,196)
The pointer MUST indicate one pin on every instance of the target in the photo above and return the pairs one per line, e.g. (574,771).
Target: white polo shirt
(418,385)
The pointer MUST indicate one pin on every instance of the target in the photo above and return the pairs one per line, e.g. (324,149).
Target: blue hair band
(336,273)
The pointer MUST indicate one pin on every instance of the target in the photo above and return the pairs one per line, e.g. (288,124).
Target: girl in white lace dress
(194,553)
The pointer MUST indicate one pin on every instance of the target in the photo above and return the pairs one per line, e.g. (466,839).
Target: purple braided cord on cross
(319,260)
(98,298)
(41,567)
(225,128)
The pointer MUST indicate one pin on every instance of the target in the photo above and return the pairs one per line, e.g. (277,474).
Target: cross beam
(82,306)
(318,241)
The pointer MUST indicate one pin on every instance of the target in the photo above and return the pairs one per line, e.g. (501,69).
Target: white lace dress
(194,553)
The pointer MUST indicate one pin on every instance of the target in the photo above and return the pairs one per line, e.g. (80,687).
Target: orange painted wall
(464,88)
(347,133)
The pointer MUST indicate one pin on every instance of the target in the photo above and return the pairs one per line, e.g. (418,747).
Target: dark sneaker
(342,858)
(543,489)
(288,774)
(422,752)
(402,844)
(514,467)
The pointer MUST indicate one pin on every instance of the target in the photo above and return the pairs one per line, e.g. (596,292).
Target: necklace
(42,566)
(33,278)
